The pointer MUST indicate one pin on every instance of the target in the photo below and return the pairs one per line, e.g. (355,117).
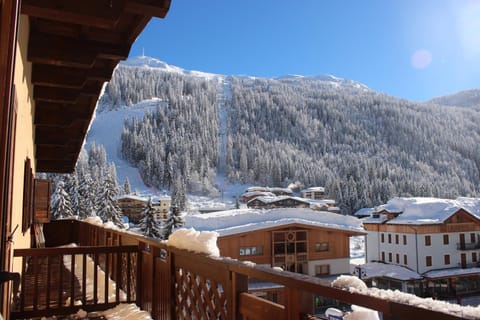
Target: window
(389,238)
(251,251)
(445,239)
(472,237)
(389,257)
(405,239)
(474,257)
(322,270)
(321,246)
(397,258)
(396,239)
(405,262)
(446,259)
(428,261)
(383,256)
(383,237)
(428,240)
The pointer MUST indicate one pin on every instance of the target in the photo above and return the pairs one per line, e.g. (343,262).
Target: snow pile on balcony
(197,241)
(90,273)
(95,220)
(352,284)
(126,311)
(245,220)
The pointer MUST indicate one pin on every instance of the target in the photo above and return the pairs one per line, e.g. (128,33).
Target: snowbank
(190,239)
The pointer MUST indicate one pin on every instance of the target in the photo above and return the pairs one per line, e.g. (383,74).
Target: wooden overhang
(74,46)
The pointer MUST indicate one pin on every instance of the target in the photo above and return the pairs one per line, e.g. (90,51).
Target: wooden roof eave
(74,47)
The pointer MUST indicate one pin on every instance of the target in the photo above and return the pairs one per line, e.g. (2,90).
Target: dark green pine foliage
(149,225)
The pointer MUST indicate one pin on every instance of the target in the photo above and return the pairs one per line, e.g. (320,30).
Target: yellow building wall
(24,135)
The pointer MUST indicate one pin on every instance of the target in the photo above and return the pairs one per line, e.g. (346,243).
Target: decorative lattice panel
(198,297)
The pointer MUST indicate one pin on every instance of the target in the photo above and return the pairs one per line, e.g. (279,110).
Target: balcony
(168,282)
(468,246)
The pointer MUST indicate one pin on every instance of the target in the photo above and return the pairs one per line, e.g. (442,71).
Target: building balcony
(168,282)
(468,246)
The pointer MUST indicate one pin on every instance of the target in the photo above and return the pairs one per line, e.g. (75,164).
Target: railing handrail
(37,252)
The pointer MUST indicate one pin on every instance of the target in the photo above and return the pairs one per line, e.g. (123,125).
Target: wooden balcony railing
(63,280)
(179,284)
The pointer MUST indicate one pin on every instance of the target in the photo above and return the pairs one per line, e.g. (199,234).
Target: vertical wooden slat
(118,281)
(95,278)
(36,263)
(107,265)
(60,281)
(49,268)
(84,279)
(129,276)
(139,283)
(72,280)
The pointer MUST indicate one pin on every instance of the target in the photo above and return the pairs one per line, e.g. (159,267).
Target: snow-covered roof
(377,219)
(258,194)
(451,272)
(244,220)
(364,212)
(271,199)
(314,189)
(144,199)
(378,269)
(425,210)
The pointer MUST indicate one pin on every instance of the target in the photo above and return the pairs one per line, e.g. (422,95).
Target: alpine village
(134,189)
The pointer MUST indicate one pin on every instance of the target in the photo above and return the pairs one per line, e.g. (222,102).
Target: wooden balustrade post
(238,284)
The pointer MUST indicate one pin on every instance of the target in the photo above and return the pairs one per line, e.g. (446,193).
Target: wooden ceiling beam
(56,166)
(67,77)
(61,115)
(95,13)
(153,8)
(69,52)
(64,95)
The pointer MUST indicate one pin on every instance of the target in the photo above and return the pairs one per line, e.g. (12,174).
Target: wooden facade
(133,207)
(295,248)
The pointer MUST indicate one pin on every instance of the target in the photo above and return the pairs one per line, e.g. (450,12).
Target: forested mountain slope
(364,147)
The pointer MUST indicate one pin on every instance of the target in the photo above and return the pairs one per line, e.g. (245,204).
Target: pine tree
(149,224)
(61,206)
(108,209)
(126,186)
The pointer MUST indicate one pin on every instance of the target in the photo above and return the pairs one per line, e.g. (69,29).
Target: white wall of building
(416,250)
(337,266)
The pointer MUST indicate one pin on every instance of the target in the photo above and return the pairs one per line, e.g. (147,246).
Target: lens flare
(421,59)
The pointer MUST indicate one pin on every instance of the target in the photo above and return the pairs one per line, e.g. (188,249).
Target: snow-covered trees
(91,189)
(149,225)
(364,147)
(61,206)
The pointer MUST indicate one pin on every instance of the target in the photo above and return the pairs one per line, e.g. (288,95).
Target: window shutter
(27,196)
(41,211)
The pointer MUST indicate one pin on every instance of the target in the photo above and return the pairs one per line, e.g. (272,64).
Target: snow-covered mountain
(153,63)
(363,146)
(467,98)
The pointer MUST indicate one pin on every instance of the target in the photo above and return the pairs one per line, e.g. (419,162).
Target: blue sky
(413,49)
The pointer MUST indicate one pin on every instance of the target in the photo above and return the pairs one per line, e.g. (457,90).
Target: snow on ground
(106,129)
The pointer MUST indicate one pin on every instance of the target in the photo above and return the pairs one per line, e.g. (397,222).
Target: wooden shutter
(27,196)
(41,207)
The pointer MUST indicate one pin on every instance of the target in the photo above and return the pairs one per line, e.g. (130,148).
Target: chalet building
(253,192)
(314,193)
(133,206)
(297,240)
(277,202)
(438,239)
